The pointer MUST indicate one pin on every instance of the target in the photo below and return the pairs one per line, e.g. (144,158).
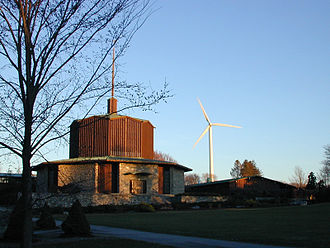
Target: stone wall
(81,175)
(84,177)
(197,198)
(42,181)
(177,181)
(96,199)
(128,172)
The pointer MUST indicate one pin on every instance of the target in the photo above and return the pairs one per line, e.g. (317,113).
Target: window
(52,179)
(115,178)
(108,178)
(138,186)
(166,181)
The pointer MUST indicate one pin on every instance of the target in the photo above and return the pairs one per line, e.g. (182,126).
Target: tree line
(245,169)
(299,179)
(311,181)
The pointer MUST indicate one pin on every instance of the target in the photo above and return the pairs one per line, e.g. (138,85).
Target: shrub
(145,207)
(251,203)
(46,220)
(76,223)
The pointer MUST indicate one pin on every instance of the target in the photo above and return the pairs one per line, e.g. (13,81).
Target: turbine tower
(209,128)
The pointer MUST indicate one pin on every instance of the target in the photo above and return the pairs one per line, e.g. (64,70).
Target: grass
(104,243)
(303,226)
(95,243)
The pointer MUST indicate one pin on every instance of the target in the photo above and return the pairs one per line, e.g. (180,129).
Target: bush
(46,220)
(76,223)
(233,202)
(251,203)
(14,229)
(323,195)
(145,207)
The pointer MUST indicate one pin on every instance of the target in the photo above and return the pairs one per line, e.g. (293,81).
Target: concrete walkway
(164,239)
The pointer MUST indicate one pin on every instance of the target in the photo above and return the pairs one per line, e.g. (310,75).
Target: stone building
(111,154)
(110,175)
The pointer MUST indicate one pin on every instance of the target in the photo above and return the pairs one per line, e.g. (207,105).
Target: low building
(112,155)
(10,186)
(254,186)
(122,175)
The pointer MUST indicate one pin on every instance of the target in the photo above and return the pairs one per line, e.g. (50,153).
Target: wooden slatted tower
(111,134)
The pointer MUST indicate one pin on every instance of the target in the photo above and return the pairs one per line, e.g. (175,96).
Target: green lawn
(303,226)
(104,243)
(95,243)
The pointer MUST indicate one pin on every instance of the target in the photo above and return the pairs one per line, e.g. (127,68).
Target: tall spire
(113,71)
(112,102)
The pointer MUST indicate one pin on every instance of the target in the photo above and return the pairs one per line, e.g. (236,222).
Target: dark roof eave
(110,159)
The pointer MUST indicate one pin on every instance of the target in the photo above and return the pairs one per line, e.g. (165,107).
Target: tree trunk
(26,241)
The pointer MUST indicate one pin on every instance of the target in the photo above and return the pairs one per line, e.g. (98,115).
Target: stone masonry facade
(97,199)
(138,172)
(84,177)
(177,181)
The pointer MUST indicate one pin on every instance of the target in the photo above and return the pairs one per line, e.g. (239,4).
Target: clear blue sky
(263,65)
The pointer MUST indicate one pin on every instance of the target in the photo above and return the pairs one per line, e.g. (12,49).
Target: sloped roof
(113,116)
(110,159)
(234,180)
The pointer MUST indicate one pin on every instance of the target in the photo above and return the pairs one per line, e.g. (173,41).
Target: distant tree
(327,154)
(299,178)
(191,178)
(236,170)
(321,185)
(163,157)
(311,184)
(324,173)
(205,177)
(246,169)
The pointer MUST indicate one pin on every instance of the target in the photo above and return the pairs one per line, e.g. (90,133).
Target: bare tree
(205,178)
(191,178)
(324,173)
(235,172)
(299,178)
(163,157)
(55,55)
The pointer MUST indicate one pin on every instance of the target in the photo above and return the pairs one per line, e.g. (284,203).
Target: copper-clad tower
(111,134)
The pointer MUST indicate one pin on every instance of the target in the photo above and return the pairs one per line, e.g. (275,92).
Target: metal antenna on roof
(113,70)
(112,102)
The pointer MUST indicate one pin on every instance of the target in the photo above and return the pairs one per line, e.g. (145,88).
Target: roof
(110,159)
(234,180)
(113,116)
(10,175)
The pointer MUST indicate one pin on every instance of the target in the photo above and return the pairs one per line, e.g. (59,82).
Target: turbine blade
(205,115)
(200,137)
(224,125)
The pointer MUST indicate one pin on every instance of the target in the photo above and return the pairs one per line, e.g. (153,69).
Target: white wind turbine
(209,128)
